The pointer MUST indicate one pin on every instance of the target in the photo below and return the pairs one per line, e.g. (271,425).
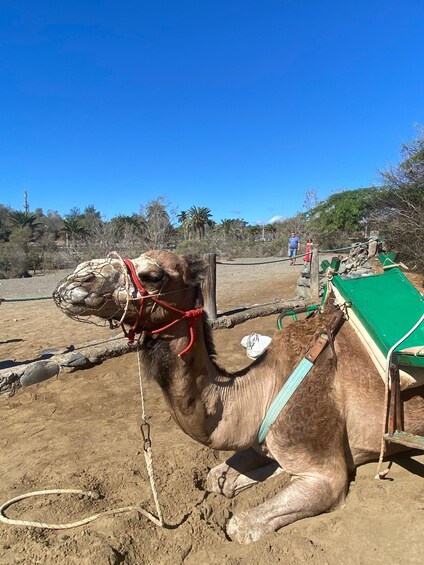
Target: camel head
(106,289)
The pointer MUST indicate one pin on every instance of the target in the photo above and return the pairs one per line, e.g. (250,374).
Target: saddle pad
(388,306)
(380,323)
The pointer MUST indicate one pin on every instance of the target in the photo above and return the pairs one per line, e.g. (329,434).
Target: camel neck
(209,404)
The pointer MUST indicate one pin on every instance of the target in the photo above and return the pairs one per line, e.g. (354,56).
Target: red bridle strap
(190,315)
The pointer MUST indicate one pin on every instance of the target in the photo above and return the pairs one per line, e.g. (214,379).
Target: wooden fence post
(209,286)
(315,273)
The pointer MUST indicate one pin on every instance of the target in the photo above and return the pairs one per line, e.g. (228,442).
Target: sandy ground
(80,430)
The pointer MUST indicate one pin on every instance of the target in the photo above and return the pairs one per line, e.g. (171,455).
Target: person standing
(308,252)
(293,247)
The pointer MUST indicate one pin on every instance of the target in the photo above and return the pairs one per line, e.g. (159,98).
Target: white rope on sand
(158,521)
(92,494)
(148,450)
(82,522)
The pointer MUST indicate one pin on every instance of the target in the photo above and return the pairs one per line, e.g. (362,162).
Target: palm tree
(182,216)
(199,218)
(73,228)
(123,223)
(225,226)
(21,219)
(184,220)
(234,227)
(239,228)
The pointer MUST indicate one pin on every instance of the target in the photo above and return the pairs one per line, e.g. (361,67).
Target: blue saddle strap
(283,397)
(299,373)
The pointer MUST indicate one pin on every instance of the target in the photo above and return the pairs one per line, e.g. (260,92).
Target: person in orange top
(308,251)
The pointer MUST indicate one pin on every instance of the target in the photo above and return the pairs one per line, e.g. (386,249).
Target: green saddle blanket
(387,306)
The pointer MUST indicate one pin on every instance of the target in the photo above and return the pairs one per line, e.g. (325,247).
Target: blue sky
(240,106)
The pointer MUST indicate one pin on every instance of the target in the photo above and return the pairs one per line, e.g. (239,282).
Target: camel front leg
(241,471)
(301,498)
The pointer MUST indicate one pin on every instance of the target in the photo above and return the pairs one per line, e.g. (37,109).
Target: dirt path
(81,430)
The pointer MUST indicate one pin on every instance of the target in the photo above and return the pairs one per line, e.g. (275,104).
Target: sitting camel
(332,423)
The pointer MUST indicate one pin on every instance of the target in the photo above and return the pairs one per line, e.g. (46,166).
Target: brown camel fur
(332,424)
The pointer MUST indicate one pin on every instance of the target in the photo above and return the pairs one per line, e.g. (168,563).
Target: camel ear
(196,270)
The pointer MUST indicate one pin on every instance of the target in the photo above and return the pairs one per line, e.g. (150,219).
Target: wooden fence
(226,321)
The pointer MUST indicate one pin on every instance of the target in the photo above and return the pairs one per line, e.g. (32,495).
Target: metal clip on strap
(145,432)
(317,348)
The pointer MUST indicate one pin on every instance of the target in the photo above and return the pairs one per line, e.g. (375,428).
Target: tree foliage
(19,219)
(396,208)
(4,223)
(199,218)
(341,215)
(399,205)
(73,229)
(158,230)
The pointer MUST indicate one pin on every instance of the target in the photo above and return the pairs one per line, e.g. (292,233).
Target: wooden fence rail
(210,299)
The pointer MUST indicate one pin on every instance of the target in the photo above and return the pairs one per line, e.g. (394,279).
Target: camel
(332,423)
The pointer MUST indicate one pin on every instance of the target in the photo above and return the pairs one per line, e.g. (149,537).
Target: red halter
(190,315)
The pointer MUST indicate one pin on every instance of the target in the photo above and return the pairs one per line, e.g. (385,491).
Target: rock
(302,281)
(301,292)
(372,247)
(75,359)
(38,372)
(49,352)
(7,384)
(53,351)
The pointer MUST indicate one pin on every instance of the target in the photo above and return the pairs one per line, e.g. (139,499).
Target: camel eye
(151,277)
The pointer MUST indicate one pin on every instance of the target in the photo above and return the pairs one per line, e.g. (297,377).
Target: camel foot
(243,528)
(303,497)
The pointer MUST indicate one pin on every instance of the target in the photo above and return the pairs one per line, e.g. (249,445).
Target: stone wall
(353,265)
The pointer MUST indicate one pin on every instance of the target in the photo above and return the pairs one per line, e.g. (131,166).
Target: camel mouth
(71,300)
(88,307)
(75,300)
